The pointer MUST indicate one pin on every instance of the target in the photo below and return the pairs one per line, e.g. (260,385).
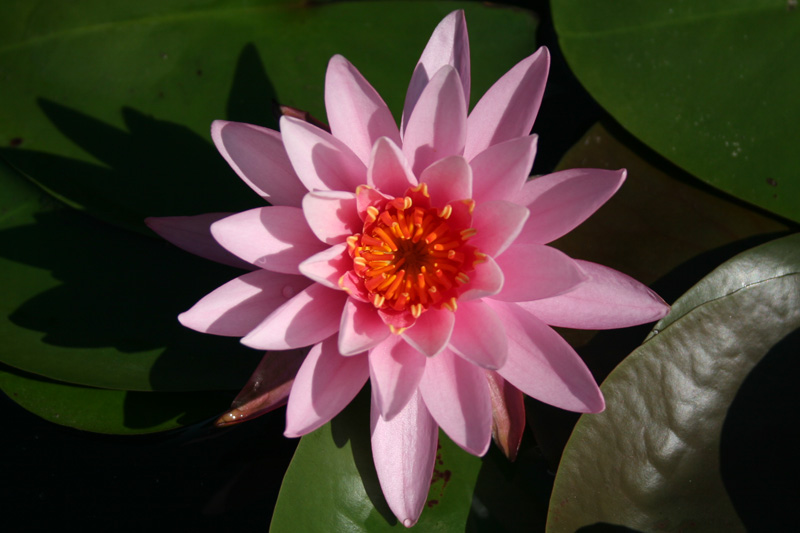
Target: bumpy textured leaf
(710,85)
(651,460)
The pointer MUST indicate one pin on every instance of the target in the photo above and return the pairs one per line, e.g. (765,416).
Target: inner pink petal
(498,223)
(448,180)
(332,215)
(535,271)
(361,328)
(478,335)
(388,170)
(431,332)
(500,171)
(395,369)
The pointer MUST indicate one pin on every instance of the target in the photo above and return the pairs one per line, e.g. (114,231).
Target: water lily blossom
(415,258)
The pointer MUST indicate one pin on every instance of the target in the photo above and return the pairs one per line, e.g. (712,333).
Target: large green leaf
(108,105)
(331,484)
(651,461)
(710,85)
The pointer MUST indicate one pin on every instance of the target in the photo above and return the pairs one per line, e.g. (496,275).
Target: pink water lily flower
(414,258)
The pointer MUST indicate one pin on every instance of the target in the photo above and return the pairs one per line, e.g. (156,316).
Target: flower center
(410,257)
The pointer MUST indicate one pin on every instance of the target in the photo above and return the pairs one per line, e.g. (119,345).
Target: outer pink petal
(395,369)
(486,280)
(478,335)
(498,223)
(608,300)
(388,169)
(536,271)
(500,171)
(326,382)
(431,332)
(361,328)
(275,238)
(356,112)
(328,266)
(559,202)
(437,127)
(309,317)
(322,162)
(332,215)
(258,156)
(193,234)
(448,45)
(542,365)
(457,395)
(509,107)
(448,180)
(240,305)
(404,451)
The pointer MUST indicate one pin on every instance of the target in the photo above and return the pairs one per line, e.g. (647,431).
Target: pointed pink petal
(607,300)
(534,271)
(328,266)
(259,158)
(367,197)
(500,171)
(508,414)
(404,452)
(326,382)
(312,315)
(561,201)
(448,45)
(431,332)
(322,162)
(498,223)
(478,335)
(234,309)
(395,369)
(542,365)
(448,180)
(486,280)
(457,396)
(361,328)
(332,215)
(275,238)
(388,170)
(193,234)
(437,127)
(509,107)
(357,114)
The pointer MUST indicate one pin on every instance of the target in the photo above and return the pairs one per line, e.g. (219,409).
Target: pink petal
(607,300)
(448,180)
(357,114)
(193,234)
(498,223)
(332,215)
(478,335)
(534,271)
(395,369)
(509,107)
(404,452)
(431,332)
(322,162)
(234,309)
(328,266)
(542,365)
(361,328)
(561,201)
(500,171)
(388,170)
(457,396)
(448,45)
(437,127)
(275,238)
(309,317)
(486,280)
(326,382)
(508,414)
(258,156)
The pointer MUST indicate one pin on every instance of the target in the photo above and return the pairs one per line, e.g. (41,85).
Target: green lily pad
(331,484)
(108,105)
(651,461)
(710,85)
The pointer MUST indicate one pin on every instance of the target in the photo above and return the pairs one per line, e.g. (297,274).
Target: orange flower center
(410,257)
